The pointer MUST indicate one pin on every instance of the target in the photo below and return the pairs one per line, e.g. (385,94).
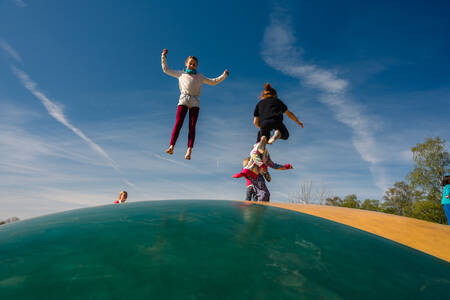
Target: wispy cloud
(10,50)
(184,165)
(57,113)
(280,52)
(20,3)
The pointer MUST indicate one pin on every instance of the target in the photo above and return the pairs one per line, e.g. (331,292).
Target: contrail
(56,112)
(179,163)
(10,50)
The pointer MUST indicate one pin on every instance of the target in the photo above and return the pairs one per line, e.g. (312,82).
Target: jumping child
(256,166)
(446,197)
(190,84)
(268,115)
(123,195)
(250,193)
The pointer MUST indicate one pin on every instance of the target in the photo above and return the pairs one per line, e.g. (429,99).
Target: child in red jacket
(123,195)
(250,192)
(257,165)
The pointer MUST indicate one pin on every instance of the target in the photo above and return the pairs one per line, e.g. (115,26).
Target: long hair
(268,92)
(245,162)
(445,180)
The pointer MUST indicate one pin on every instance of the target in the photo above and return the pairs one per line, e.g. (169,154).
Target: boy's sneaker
(276,135)
(267,176)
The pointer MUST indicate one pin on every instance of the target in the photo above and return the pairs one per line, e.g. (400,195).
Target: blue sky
(85,110)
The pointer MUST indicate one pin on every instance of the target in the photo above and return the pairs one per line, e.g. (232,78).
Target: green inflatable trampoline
(201,249)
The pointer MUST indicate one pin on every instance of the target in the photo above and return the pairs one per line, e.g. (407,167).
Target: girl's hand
(226,72)
(301,124)
(164,52)
(286,167)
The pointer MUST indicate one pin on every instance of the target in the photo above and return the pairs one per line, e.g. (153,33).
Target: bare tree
(303,195)
(322,193)
(307,194)
(9,220)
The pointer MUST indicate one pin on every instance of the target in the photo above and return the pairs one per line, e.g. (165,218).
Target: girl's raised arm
(217,80)
(166,68)
(274,165)
(293,118)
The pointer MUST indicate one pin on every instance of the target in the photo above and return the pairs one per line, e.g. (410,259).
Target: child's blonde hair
(123,193)
(268,92)
(193,57)
(245,161)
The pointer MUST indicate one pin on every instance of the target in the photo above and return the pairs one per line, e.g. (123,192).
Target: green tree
(9,220)
(429,211)
(369,204)
(351,201)
(399,199)
(432,162)
(335,201)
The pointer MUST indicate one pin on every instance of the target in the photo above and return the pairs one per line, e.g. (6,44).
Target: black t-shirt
(270,108)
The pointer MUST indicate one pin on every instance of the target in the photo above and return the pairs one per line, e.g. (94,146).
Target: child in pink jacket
(256,166)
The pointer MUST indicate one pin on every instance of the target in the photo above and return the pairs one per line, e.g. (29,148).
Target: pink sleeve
(248,182)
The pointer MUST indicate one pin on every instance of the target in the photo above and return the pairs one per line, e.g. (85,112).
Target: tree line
(418,196)
(9,220)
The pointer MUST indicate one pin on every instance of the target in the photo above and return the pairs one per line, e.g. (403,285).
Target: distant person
(190,83)
(446,197)
(123,195)
(268,116)
(256,166)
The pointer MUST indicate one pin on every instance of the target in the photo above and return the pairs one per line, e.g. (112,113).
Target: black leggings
(267,126)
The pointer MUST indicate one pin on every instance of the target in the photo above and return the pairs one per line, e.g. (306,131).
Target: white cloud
(10,50)
(279,51)
(57,113)
(20,3)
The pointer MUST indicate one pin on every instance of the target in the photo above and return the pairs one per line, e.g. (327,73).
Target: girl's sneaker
(276,135)
(262,144)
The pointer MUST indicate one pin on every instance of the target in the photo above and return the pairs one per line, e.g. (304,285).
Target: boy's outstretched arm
(293,118)
(166,68)
(217,80)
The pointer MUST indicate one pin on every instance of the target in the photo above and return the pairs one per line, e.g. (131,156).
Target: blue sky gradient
(85,110)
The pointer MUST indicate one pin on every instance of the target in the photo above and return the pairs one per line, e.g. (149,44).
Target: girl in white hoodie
(190,84)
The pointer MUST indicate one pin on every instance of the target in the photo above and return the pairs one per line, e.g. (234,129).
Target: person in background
(123,195)
(446,197)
